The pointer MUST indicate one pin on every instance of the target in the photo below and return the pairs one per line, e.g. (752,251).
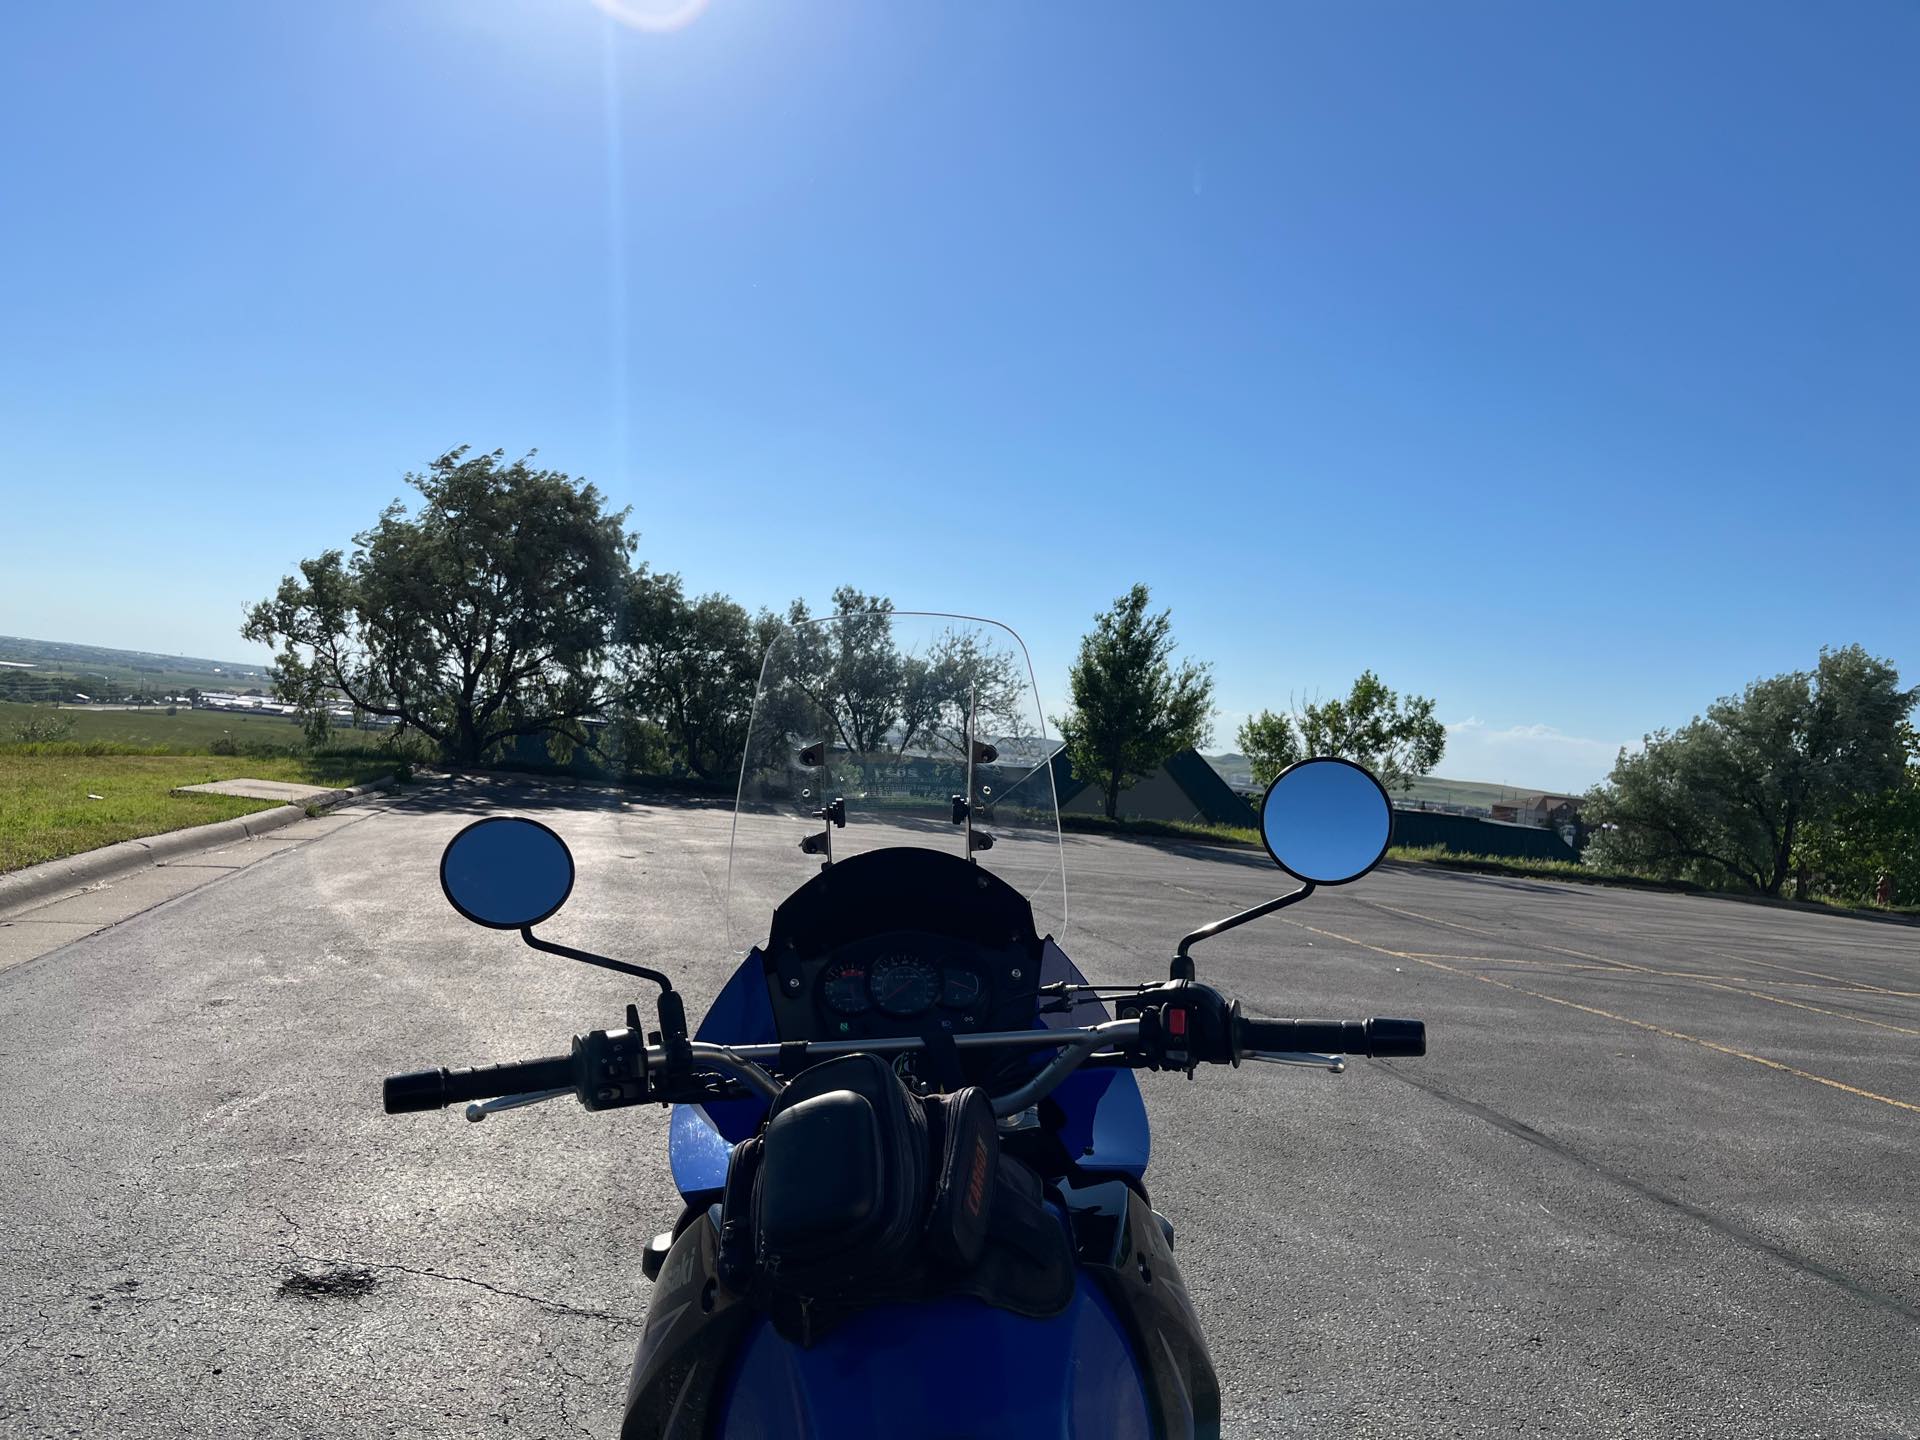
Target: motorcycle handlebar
(1384,1038)
(435,1089)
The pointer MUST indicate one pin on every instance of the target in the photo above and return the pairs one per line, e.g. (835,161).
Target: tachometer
(903,984)
(844,988)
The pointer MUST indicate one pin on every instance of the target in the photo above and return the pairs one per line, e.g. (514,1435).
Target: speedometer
(904,984)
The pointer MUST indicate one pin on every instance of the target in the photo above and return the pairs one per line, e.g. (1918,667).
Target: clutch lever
(1335,1064)
(480,1109)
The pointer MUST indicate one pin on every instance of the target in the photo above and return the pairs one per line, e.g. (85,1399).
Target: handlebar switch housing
(612,1069)
(1182,1024)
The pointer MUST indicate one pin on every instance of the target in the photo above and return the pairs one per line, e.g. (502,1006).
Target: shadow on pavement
(483,793)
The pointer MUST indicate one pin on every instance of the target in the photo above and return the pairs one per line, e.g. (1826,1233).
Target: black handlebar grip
(1384,1038)
(420,1090)
(1390,1039)
(1343,1037)
(433,1089)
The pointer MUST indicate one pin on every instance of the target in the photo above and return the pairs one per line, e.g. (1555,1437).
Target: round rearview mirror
(506,873)
(1326,820)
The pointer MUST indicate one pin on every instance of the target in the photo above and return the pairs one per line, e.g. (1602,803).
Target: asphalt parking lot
(1656,1176)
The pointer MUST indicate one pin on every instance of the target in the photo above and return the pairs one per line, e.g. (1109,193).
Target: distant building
(1547,810)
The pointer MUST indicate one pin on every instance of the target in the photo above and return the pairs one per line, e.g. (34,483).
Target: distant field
(189,732)
(46,812)
(1477,793)
(169,673)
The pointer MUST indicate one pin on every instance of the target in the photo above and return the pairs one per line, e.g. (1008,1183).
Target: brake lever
(1336,1064)
(480,1109)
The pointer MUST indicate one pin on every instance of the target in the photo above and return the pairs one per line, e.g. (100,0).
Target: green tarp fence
(1470,835)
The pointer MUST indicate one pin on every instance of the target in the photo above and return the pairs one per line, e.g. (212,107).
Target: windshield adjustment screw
(794,984)
(1014,973)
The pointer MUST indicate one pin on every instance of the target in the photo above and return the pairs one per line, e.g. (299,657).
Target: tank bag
(857,1192)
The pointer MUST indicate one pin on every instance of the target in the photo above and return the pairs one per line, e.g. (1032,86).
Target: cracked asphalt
(1656,1177)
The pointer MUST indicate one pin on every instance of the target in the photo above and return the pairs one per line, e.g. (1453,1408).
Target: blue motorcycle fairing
(943,1370)
(1106,1120)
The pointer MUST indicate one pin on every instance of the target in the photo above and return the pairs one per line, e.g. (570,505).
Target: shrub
(42,730)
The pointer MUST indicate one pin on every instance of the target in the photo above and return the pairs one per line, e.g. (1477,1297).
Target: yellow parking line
(1713,984)
(1622,1019)
(1841,987)
(1498,935)
(1816,974)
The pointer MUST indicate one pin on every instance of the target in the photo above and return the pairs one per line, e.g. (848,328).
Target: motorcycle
(907,1133)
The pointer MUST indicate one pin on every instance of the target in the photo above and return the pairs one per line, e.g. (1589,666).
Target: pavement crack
(560,1395)
(1720,1224)
(553,1307)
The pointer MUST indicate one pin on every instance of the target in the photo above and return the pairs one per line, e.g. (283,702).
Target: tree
(876,699)
(1847,854)
(486,615)
(1727,797)
(1396,737)
(1271,743)
(1131,707)
(961,681)
(693,665)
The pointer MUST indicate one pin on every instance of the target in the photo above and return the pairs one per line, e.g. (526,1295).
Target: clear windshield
(898,716)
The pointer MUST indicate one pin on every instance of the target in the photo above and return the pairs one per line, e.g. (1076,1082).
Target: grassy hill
(189,732)
(133,667)
(1477,794)
(1470,794)
(74,777)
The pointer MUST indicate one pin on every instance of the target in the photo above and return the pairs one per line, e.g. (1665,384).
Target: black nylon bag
(841,1189)
(964,1143)
(734,1262)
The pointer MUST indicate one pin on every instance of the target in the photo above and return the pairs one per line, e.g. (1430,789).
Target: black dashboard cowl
(901,888)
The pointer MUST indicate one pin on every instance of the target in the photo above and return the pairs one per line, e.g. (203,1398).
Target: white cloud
(1532,757)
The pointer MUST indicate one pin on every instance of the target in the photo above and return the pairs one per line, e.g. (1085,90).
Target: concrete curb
(76,872)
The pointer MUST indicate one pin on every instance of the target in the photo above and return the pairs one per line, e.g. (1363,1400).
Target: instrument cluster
(906,981)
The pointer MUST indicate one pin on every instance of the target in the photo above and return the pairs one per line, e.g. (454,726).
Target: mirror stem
(1183,962)
(526,934)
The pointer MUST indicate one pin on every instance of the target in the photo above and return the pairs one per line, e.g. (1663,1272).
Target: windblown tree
(1731,797)
(1132,707)
(961,681)
(864,670)
(1394,736)
(692,666)
(876,698)
(1271,743)
(1875,839)
(486,614)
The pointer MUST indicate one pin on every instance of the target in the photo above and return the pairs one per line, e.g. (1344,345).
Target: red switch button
(1176,1022)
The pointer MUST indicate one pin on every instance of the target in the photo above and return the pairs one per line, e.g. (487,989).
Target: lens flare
(658,16)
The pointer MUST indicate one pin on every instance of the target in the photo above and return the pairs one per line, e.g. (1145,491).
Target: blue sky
(1561,362)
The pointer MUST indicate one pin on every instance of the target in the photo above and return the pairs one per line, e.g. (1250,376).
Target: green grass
(1161,829)
(1520,865)
(45,812)
(163,674)
(188,732)
(1435,855)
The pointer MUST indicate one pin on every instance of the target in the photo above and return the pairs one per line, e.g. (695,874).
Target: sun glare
(655,15)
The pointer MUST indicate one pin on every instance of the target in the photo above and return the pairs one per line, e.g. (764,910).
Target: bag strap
(735,1266)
